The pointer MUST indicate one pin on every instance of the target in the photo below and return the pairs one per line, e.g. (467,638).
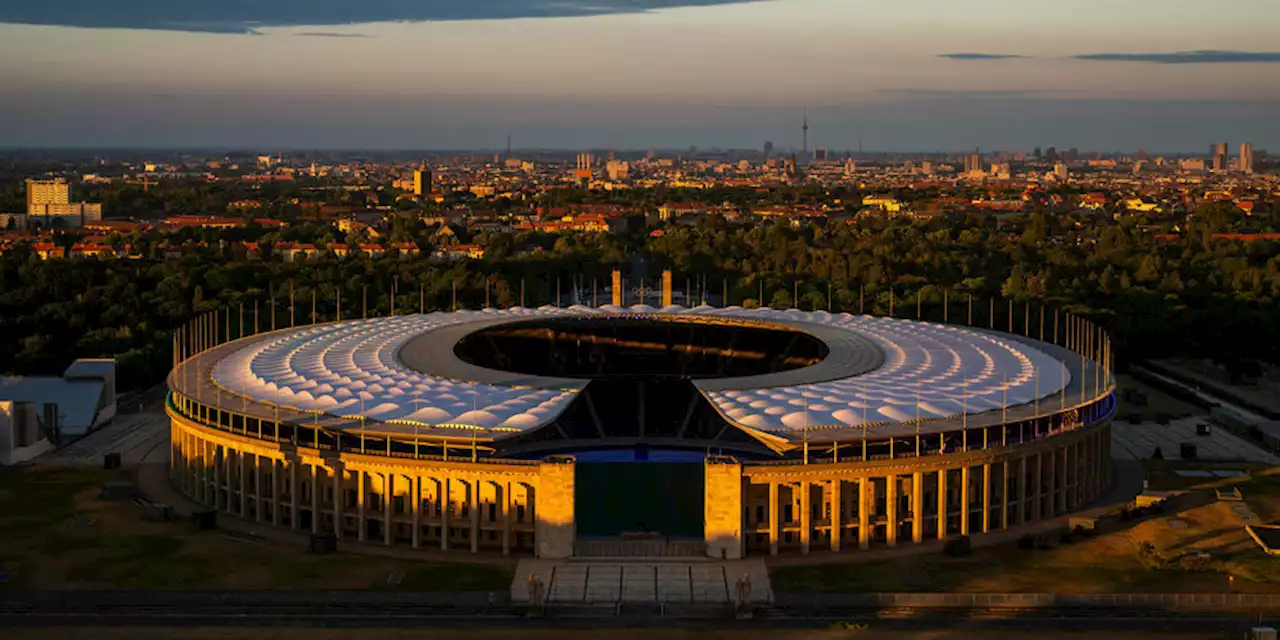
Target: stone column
(1105,436)
(257,488)
(1038,487)
(226,478)
(942,504)
(891,510)
(315,498)
(965,501)
(276,466)
(244,493)
(865,500)
(388,507)
(339,500)
(1064,489)
(835,492)
(986,497)
(1053,484)
(722,508)
(556,528)
(189,454)
(362,499)
(806,511)
(475,516)
(773,518)
(1079,482)
(294,521)
(217,478)
(506,517)
(917,507)
(1004,494)
(442,504)
(415,490)
(1022,490)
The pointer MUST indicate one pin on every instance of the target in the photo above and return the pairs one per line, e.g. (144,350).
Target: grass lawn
(55,533)
(1107,563)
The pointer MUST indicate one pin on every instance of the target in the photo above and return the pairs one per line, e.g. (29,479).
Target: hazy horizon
(1168,76)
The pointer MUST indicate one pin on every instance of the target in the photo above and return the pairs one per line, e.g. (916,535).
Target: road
(133,435)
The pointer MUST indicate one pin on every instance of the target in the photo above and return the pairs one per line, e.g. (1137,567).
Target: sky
(907,75)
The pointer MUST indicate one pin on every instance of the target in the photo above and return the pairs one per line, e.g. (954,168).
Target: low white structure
(38,411)
(21,435)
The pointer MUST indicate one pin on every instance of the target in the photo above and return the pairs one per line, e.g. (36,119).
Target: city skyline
(635,74)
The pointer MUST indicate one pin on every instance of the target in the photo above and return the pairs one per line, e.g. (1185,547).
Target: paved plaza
(133,436)
(607,581)
(1139,441)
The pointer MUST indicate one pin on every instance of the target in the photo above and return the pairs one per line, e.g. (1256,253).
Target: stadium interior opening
(630,347)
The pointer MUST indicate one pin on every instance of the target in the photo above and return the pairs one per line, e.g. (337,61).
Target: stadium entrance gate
(639,507)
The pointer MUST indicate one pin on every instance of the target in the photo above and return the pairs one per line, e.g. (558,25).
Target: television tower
(804,130)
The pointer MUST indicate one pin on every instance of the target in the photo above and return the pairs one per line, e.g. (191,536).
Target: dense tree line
(1194,295)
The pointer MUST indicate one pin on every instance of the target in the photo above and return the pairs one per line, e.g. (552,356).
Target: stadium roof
(401,369)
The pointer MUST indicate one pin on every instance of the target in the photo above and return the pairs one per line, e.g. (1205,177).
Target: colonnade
(416,503)
(799,508)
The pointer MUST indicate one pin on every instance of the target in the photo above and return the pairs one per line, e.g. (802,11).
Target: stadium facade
(621,431)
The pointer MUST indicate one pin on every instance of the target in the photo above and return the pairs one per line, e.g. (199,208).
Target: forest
(1189,294)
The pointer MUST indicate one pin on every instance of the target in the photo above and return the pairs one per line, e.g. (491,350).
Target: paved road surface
(1139,441)
(133,435)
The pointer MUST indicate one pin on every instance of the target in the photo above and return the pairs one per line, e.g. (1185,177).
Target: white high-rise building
(42,192)
(1246,157)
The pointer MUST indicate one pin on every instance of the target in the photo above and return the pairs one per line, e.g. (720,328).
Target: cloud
(980,56)
(1206,56)
(220,16)
(329,34)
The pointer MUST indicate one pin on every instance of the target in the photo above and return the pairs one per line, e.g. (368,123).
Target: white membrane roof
(352,368)
(930,371)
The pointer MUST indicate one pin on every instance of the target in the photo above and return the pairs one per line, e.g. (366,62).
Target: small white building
(36,412)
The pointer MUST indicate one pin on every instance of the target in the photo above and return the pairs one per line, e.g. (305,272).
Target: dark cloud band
(1186,57)
(238,16)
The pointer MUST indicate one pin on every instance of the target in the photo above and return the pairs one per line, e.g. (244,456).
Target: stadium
(615,431)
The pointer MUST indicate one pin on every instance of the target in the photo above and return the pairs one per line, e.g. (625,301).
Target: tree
(781,300)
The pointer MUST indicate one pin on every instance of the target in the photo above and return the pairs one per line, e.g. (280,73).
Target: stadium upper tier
(879,370)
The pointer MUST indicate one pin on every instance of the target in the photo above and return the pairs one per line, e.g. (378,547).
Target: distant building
(1061,172)
(49,204)
(71,214)
(974,164)
(422,180)
(819,155)
(1246,157)
(618,170)
(586,161)
(42,192)
(1192,164)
